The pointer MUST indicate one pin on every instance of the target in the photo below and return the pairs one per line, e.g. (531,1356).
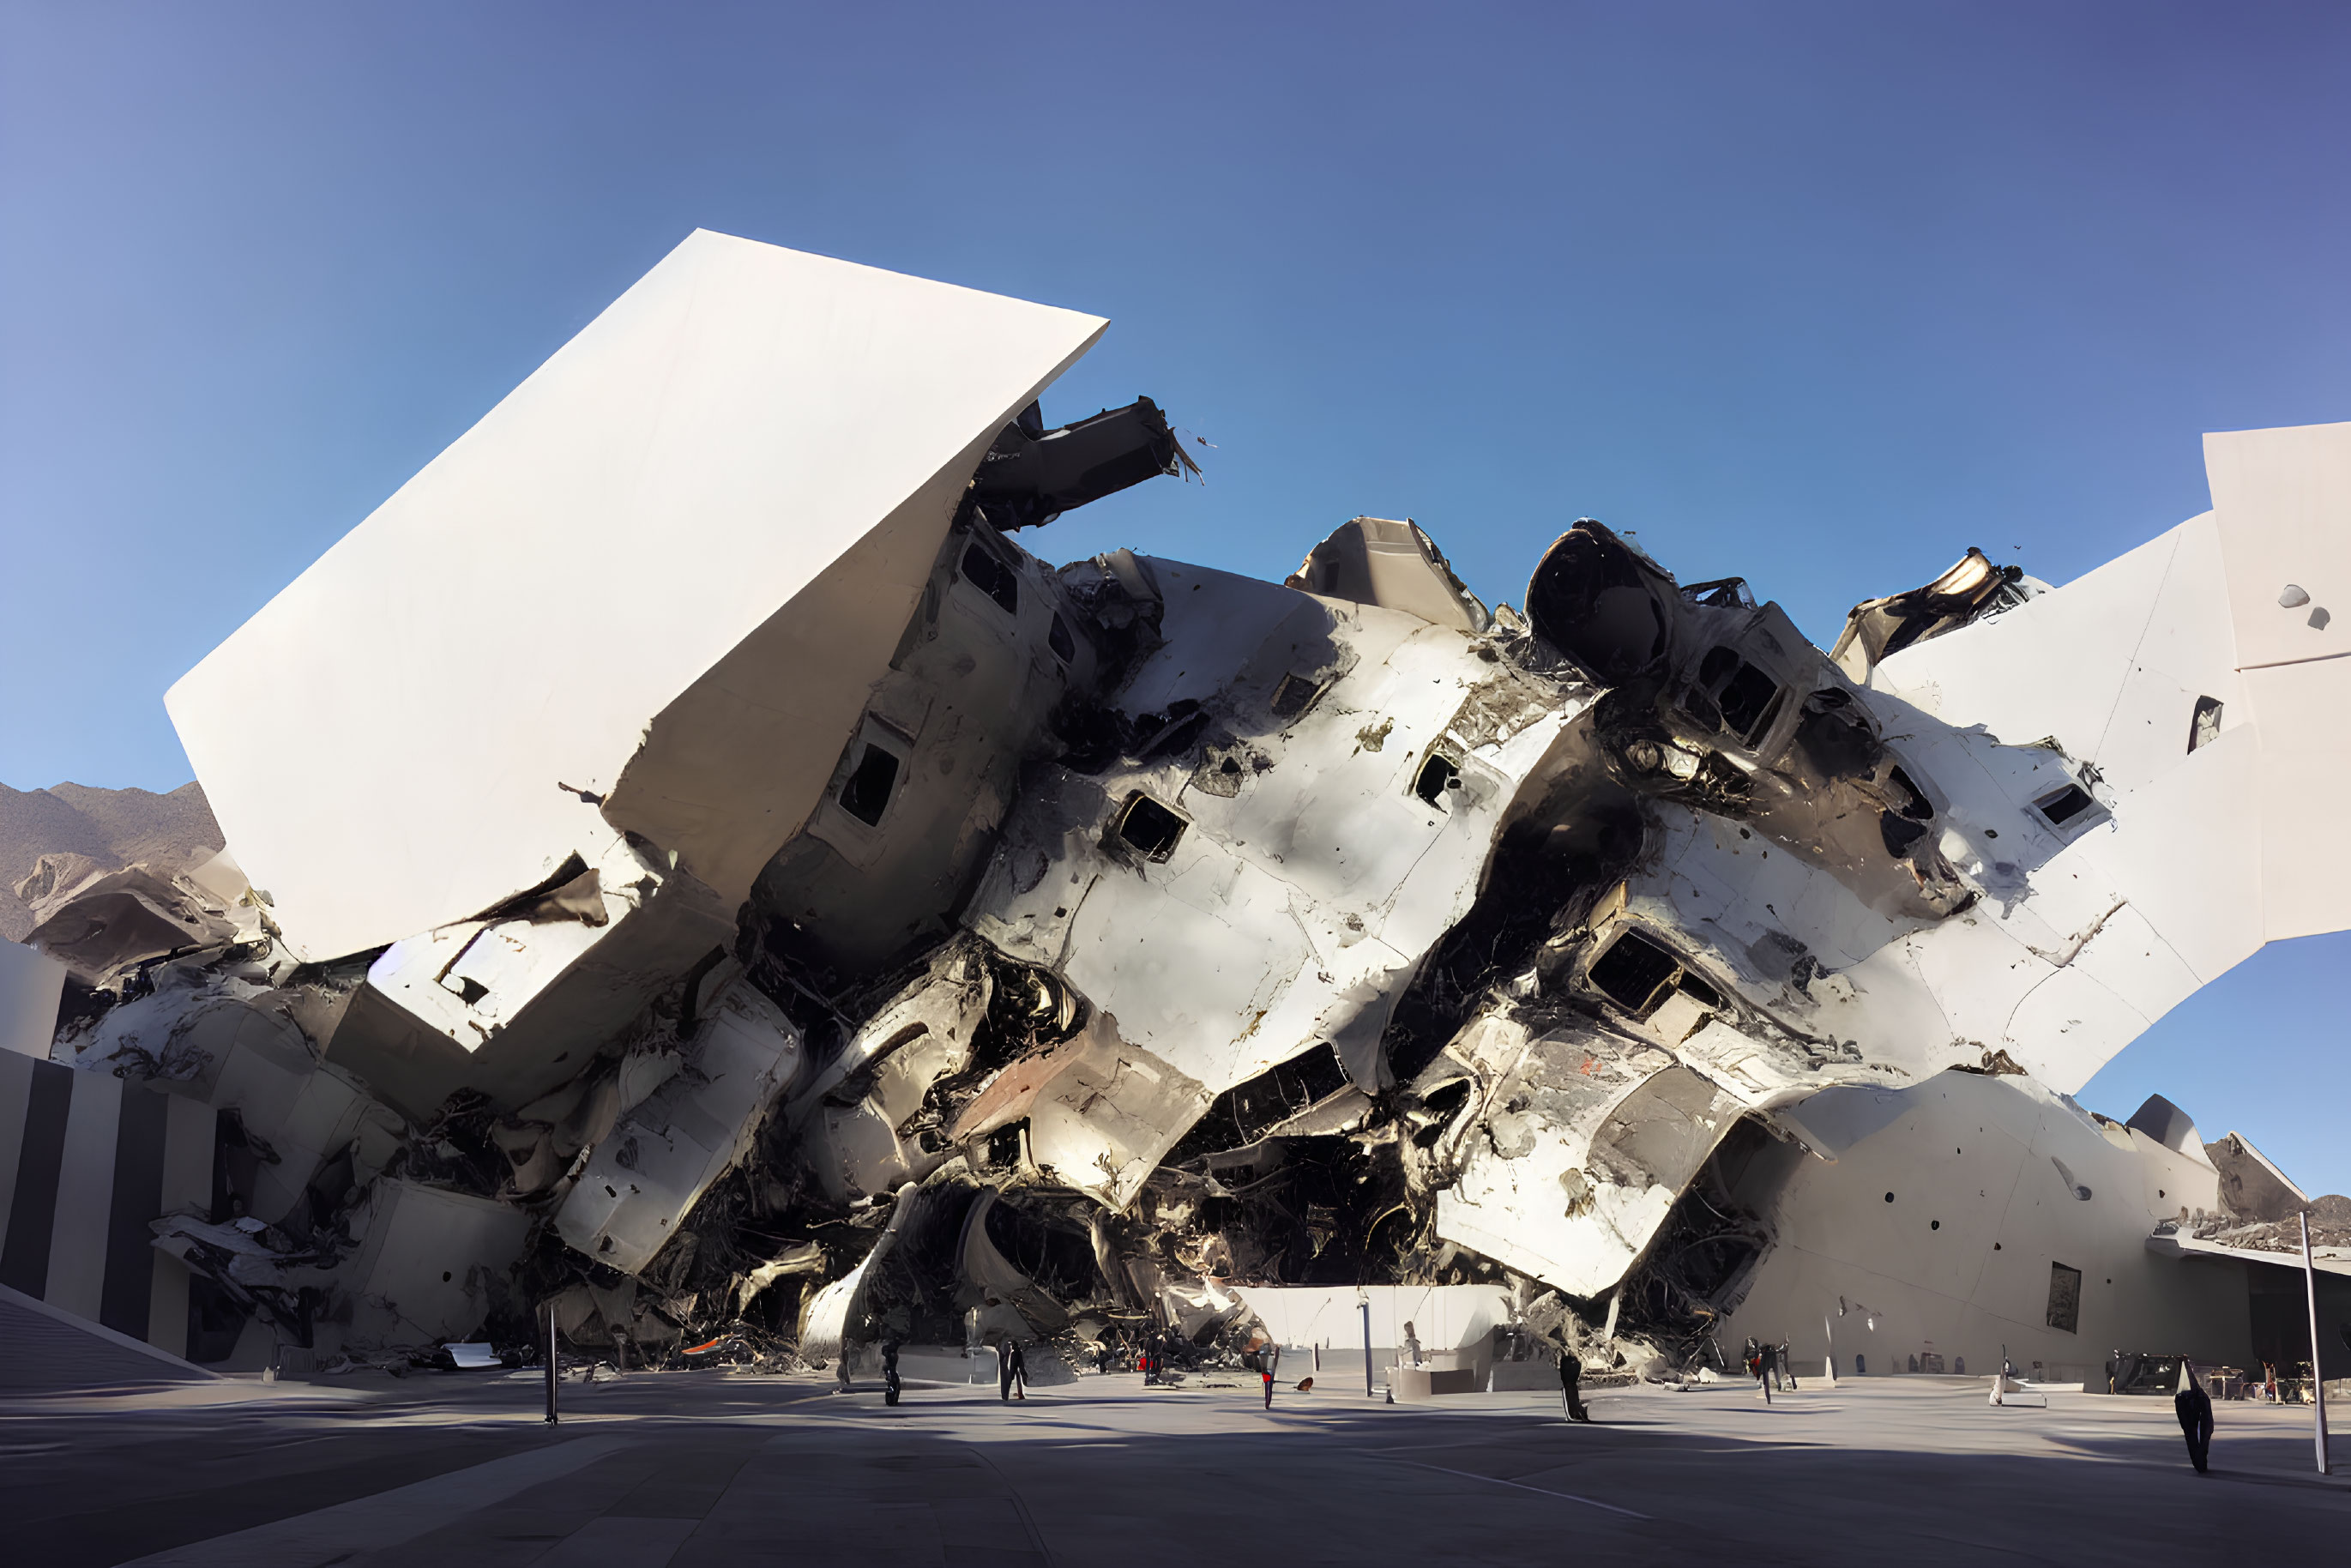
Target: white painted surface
(2282,498)
(638,512)
(30,986)
(1959,1262)
(649,1173)
(1443,1317)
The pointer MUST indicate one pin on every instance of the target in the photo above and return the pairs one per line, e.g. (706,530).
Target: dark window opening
(1747,698)
(2204,724)
(1723,593)
(1920,808)
(2064,805)
(866,793)
(2064,1299)
(1294,696)
(1164,735)
(1699,990)
(1003,1146)
(1900,833)
(984,571)
(1150,828)
(1438,775)
(1636,973)
(1064,646)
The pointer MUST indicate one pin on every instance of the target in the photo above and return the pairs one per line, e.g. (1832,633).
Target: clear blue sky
(1820,294)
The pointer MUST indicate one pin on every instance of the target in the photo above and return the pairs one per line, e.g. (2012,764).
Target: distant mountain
(113,828)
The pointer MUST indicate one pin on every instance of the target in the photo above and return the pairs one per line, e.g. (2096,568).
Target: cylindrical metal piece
(2317,1374)
(554,1373)
(1367,1350)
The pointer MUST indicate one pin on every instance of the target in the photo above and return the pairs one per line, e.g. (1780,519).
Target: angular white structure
(663,573)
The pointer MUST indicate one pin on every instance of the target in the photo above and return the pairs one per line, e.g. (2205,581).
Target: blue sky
(1820,294)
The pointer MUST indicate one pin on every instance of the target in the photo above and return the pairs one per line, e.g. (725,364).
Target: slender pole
(553,1375)
(1367,1350)
(2317,1374)
(1828,1331)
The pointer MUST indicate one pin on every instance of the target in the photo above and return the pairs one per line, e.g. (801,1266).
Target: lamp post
(553,1374)
(2317,1373)
(1363,1304)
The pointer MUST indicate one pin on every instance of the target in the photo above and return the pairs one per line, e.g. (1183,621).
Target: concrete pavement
(683,1470)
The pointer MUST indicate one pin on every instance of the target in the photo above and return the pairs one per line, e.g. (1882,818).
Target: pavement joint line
(1500,1482)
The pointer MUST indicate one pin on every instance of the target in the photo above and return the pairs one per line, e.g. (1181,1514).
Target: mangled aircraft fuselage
(886,934)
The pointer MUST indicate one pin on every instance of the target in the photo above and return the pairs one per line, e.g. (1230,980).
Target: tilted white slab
(663,571)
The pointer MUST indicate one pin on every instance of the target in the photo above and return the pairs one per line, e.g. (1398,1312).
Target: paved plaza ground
(690,1469)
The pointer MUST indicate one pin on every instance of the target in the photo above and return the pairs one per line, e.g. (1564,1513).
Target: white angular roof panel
(667,491)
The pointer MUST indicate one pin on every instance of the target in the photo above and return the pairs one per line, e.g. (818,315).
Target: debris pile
(763,912)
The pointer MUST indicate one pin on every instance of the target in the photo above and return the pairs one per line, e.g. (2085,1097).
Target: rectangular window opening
(2064,805)
(865,793)
(2204,724)
(1438,775)
(1064,646)
(1748,699)
(1294,696)
(2064,1299)
(984,571)
(1150,828)
(1633,973)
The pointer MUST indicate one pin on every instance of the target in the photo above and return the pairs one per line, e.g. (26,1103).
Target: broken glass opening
(1900,833)
(1438,775)
(1294,696)
(1064,646)
(984,571)
(2064,806)
(1636,974)
(1723,593)
(1004,1145)
(2064,1299)
(1150,828)
(2204,724)
(1747,698)
(1920,808)
(865,794)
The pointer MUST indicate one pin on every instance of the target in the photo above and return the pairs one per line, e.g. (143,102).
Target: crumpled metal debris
(891,936)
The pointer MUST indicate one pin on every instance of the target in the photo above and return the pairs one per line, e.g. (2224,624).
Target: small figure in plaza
(2195,1410)
(1571,1373)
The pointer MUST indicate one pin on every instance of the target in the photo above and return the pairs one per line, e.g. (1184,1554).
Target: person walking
(1780,1364)
(890,1370)
(1267,1359)
(1755,1369)
(1571,1373)
(2195,1410)
(1005,1352)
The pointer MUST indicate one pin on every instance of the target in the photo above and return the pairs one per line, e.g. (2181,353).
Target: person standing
(1018,1368)
(1004,1351)
(1779,1363)
(1266,1360)
(1755,1369)
(2195,1410)
(890,1370)
(1571,1374)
